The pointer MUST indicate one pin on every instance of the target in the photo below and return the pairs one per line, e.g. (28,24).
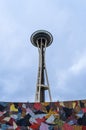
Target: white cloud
(18,58)
(79,66)
(70,81)
(74,70)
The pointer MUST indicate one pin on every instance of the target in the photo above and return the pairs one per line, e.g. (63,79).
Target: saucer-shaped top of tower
(41,37)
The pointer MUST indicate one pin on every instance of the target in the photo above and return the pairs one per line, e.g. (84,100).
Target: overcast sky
(65,58)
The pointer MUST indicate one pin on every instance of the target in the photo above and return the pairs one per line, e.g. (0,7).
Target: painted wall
(43,116)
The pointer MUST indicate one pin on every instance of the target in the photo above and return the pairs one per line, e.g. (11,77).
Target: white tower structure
(42,39)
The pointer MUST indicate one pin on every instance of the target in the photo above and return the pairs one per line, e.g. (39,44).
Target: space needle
(42,39)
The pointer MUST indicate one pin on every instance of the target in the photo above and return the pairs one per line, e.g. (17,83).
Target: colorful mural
(69,115)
